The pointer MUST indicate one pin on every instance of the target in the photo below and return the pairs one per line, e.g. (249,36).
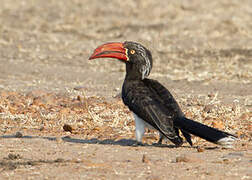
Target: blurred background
(46,44)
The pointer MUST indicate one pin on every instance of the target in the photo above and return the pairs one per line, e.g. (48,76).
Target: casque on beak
(110,50)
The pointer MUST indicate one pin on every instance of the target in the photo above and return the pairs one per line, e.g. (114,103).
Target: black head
(138,59)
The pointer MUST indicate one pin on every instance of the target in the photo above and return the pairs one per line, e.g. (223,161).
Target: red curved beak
(110,50)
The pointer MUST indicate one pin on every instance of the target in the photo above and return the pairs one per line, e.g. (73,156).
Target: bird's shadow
(121,142)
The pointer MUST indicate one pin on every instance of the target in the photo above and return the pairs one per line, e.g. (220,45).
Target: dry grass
(47,111)
(95,117)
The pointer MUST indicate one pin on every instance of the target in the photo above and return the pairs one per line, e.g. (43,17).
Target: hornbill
(151,103)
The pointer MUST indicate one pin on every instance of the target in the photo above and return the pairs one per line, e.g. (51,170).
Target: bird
(152,104)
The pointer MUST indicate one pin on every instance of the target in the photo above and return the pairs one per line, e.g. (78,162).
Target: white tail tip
(227,142)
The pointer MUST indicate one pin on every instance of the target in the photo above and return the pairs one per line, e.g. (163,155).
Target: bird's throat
(134,72)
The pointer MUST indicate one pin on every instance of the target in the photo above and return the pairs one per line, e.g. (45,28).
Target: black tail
(208,133)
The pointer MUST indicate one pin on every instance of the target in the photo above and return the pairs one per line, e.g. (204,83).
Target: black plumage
(151,102)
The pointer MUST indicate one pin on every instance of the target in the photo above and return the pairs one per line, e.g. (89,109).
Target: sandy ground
(61,116)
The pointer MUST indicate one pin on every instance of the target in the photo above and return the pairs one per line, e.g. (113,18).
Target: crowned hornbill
(151,103)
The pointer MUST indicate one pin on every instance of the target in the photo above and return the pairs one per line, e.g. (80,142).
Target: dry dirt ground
(61,116)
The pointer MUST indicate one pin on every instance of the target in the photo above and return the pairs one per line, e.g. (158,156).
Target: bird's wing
(164,96)
(168,101)
(144,102)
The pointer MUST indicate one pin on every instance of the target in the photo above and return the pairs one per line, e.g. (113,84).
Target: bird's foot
(159,143)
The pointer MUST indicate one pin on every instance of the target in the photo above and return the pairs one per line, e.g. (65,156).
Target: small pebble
(145,159)
(200,149)
(67,128)
(18,134)
(187,158)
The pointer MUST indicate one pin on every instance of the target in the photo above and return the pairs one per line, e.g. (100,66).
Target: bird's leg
(140,129)
(161,137)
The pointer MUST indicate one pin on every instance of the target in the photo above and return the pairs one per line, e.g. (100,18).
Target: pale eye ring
(132,51)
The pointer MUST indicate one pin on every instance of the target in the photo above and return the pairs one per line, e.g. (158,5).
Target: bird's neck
(133,72)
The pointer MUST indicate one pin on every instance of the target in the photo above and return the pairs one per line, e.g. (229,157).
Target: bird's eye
(132,51)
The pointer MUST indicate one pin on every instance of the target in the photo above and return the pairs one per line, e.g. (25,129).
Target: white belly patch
(140,125)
